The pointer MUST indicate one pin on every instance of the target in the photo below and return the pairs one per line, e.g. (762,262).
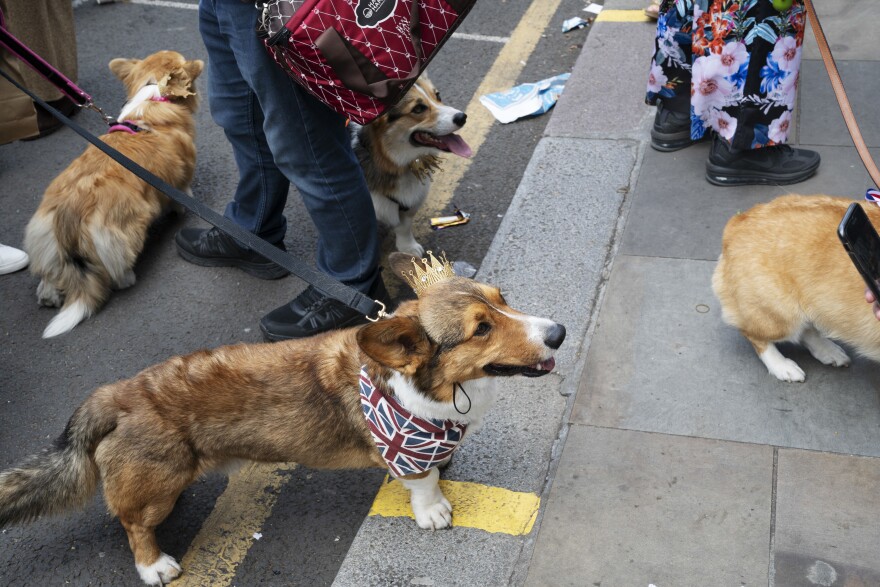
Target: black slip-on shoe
(311,312)
(671,130)
(214,248)
(775,165)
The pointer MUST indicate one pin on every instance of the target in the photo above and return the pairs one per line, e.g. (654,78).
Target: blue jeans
(281,134)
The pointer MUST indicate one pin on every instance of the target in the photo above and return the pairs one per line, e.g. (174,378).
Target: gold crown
(430,271)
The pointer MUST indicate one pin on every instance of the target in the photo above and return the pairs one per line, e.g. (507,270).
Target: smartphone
(861,241)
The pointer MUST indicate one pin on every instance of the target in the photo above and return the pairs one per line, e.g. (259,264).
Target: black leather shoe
(214,248)
(776,165)
(311,312)
(671,130)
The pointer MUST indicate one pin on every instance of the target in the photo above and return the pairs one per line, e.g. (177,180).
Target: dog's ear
(402,263)
(398,342)
(194,68)
(122,67)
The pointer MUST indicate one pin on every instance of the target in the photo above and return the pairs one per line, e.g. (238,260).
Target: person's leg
(311,146)
(258,203)
(744,83)
(669,81)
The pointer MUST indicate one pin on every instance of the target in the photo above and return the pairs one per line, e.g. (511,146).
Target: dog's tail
(74,266)
(64,476)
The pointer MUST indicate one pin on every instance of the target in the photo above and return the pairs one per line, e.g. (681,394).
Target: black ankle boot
(671,131)
(775,165)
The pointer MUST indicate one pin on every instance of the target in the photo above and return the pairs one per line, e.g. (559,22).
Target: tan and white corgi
(147,438)
(88,231)
(399,153)
(783,276)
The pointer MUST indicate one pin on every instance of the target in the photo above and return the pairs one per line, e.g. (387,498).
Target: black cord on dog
(456,386)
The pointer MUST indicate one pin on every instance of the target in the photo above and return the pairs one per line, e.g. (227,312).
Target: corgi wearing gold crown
(147,438)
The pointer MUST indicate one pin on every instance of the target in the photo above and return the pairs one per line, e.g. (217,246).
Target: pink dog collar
(126,126)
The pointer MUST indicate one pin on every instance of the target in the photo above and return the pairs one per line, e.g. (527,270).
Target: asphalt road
(177,308)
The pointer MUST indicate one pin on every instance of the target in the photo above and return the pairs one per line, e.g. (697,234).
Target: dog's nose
(459,119)
(555,336)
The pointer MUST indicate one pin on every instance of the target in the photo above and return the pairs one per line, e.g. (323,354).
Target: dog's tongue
(456,145)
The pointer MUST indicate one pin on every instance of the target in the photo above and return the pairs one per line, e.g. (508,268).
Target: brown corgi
(399,153)
(783,275)
(88,231)
(325,402)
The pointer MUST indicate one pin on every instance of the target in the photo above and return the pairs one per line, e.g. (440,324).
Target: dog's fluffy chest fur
(398,194)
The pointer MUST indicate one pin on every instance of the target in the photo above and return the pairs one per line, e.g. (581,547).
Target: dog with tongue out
(401,150)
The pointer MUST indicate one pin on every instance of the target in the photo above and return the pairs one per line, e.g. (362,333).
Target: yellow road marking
(228,533)
(501,76)
(623,16)
(492,509)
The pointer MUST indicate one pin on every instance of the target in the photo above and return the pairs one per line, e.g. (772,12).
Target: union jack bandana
(408,444)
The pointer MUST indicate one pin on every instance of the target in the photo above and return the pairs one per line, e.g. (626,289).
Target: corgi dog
(783,275)
(91,225)
(323,402)
(399,152)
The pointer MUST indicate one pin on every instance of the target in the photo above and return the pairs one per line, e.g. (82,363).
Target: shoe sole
(724,177)
(14,266)
(268,271)
(671,142)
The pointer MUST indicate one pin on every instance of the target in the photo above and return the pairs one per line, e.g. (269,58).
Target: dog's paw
(163,571)
(410,247)
(47,295)
(433,516)
(831,354)
(128,279)
(787,370)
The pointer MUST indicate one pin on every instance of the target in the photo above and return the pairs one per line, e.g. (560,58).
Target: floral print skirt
(733,64)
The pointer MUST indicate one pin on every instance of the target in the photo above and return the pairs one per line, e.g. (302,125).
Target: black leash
(325,284)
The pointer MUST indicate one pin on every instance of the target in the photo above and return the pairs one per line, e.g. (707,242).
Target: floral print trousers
(733,64)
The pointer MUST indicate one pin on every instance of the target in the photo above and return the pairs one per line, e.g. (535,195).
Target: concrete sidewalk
(683,462)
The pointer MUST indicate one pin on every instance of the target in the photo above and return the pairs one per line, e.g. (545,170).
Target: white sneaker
(12,260)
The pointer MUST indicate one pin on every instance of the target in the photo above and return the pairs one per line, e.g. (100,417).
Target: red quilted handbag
(358,56)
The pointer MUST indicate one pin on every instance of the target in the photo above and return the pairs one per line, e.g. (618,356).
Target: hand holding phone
(862,242)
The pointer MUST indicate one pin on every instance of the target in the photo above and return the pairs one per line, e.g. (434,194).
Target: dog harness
(408,444)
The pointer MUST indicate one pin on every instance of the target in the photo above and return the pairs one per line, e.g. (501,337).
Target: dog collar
(408,444)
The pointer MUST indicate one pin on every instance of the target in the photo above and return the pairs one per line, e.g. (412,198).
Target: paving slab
(663,361)
(630,508)
(826,520)
(593,105)
(819,119)
(677,213)
(844,24)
